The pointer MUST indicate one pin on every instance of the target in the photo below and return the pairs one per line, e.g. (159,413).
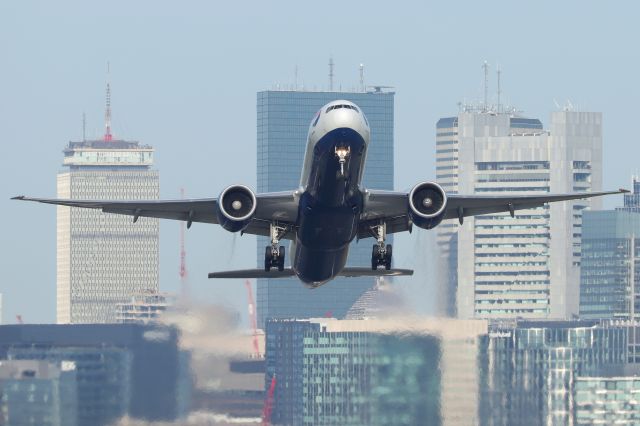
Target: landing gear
(274,255)
(381,254)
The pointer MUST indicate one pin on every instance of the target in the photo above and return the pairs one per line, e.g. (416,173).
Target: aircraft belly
(315,267)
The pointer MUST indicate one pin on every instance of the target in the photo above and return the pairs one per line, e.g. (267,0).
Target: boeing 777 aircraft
(329,209)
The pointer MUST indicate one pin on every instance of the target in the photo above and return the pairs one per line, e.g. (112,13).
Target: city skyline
(166,96)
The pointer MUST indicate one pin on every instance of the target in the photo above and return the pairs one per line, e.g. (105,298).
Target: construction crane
(252,318)
(268,403)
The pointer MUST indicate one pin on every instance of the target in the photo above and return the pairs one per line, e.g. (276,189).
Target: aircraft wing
(392,207)
(274,206)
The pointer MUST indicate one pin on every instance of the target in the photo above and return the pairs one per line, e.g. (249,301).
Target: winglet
(18,197)
(624,191)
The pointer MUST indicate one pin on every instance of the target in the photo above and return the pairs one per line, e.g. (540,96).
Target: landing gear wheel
(281,259)
(267,258)
(387,257)
(375,257)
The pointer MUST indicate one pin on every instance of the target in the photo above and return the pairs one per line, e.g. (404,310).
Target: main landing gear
(381,254)
(274,255)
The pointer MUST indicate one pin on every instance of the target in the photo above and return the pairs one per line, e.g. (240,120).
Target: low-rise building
(400,371)
(38,393)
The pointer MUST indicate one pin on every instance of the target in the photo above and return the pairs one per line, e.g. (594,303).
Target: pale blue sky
(185,77)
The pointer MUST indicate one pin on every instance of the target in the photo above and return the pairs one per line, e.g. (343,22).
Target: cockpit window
(332,107)
(317,118)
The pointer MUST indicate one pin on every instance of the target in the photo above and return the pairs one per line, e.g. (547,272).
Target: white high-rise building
(104,259)
(527,266)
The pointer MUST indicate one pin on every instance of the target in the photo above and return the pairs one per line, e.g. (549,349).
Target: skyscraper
(104,259)
(283,121)
(503,267)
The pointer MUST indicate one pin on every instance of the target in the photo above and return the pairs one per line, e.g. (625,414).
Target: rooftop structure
(143,308)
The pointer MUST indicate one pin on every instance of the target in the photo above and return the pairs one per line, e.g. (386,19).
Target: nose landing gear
(342,153)
(274,255)
(381,254)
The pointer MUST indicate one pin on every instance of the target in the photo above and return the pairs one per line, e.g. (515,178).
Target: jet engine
(236,207)
(427,204)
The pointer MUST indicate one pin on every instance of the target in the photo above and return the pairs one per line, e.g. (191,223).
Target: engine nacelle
(236,207)
(427,204)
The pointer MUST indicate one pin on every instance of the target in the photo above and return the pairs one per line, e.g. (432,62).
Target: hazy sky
(185,77)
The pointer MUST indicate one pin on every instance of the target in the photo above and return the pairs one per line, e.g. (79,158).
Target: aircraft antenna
(107,111)
(362,77)
(331,73)
(485,66)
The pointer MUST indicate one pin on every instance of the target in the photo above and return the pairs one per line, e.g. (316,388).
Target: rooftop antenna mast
(485,66)
(107,111)
(498,72)
(84,127)
(362,77)
(331,73)
(295,88)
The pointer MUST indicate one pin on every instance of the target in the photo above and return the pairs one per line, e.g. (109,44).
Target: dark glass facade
(127,369)
(329,377)
(534,366)
(283,119)
(609,270)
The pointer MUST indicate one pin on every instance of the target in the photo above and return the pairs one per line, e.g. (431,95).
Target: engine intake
(236,207)
(427,204)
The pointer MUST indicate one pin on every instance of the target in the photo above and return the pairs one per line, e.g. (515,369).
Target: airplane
(330,208)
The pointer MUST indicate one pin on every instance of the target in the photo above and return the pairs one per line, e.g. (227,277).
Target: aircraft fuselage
(331,200)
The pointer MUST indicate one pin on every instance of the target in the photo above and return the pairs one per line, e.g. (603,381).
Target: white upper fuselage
(334,115)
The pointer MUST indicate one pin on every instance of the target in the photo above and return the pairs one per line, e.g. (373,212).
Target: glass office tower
(283,119)
(610,273)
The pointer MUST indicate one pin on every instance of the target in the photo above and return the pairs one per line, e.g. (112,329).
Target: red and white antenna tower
(107,111)
(184,285)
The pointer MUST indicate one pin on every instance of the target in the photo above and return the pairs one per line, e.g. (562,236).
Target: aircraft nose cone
(343,117)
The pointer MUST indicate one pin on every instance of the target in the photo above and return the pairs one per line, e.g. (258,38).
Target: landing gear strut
(381,254)
(274,255)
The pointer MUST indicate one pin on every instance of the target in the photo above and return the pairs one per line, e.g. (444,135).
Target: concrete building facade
(104,259)
(283,123)
(497,266)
